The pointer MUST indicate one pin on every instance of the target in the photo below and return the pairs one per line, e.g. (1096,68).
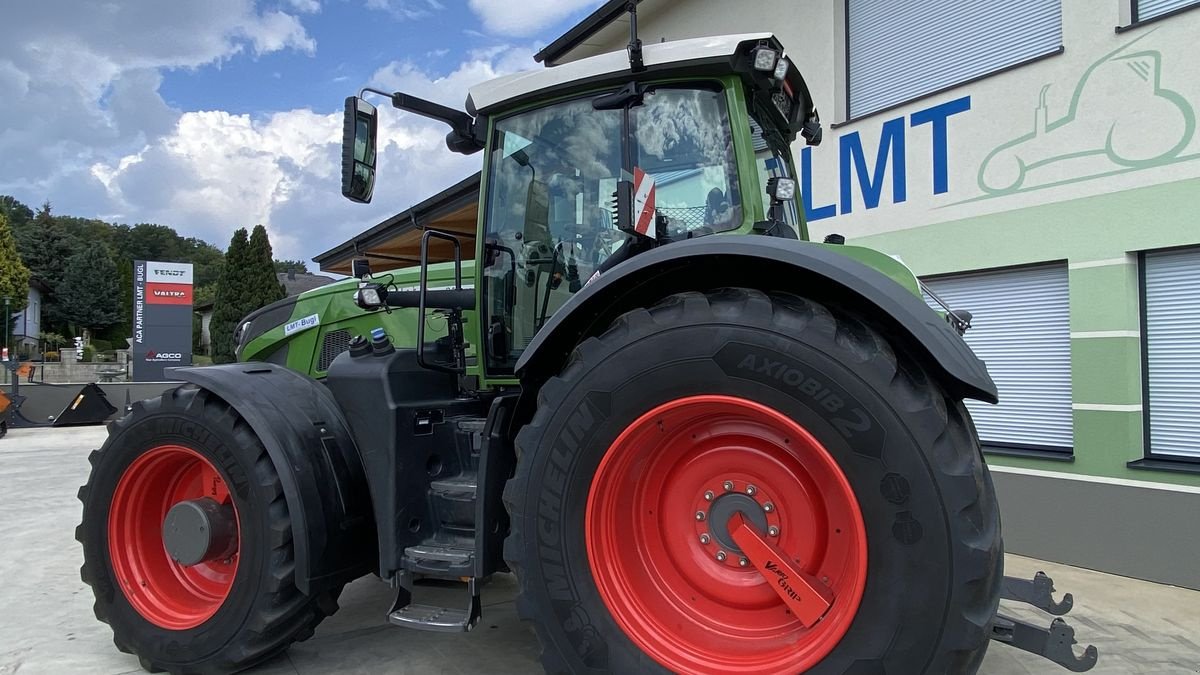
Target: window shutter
(1148,9)
(1173,351)
(1020,327)
(899,51)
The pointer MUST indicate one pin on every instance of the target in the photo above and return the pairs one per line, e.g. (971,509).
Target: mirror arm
(456,119)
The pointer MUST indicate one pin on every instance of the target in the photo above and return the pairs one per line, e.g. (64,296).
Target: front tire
(224,614)
(651,437)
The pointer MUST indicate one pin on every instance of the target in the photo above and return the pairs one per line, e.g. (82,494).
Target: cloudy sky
(213,115)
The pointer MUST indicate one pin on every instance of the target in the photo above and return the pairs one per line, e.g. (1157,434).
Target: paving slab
(47,625)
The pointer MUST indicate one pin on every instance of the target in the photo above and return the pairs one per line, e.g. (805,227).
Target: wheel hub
(199,530)
(719,502)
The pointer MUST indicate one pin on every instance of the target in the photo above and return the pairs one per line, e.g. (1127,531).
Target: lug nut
(699,515)
(721,556)
(708,496)
(728,486)
(704,539)
(768,507)
(772,531)
(743,562)
(750,490)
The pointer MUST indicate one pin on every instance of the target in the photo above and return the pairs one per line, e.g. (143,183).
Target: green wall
(1097,236)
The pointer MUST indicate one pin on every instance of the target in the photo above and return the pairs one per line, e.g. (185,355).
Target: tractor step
(408,614)
(441,560)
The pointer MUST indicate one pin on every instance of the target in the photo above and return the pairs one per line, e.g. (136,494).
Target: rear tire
(908,453)
(253,610)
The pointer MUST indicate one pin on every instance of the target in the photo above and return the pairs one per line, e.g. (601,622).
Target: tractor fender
(769,264)
(307,438)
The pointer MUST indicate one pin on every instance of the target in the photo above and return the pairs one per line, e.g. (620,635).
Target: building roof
(492,93)
(396,242)
(295,283)
(604,15)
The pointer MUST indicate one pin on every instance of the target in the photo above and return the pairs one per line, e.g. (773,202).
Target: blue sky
(209,116)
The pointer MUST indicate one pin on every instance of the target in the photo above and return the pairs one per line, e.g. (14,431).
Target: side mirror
(359,127)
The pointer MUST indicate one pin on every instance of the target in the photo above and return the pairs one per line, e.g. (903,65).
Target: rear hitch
(1055,643)
(1037,592)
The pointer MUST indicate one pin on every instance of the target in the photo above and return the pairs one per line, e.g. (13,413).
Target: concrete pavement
(47,624)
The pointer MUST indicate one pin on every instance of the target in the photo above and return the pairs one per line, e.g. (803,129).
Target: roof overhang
(396,242)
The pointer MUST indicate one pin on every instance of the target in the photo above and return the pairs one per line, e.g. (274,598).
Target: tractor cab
(592,162)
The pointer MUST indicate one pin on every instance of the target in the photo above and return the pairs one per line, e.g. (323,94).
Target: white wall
(29,321)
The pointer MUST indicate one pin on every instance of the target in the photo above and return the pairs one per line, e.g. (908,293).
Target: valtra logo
(169,294)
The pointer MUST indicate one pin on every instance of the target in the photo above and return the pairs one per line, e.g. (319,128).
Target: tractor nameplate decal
(298,325)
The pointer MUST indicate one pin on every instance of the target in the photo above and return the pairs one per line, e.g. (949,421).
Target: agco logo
(163,356)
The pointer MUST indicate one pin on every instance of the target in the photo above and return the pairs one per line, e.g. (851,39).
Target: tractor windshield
(553,173)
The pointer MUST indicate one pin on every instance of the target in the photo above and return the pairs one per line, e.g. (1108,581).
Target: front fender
(770,264)
(307,439)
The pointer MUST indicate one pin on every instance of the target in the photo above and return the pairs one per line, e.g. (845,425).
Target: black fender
(307,438)
(769,264)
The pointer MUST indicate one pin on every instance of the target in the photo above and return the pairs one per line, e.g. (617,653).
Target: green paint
(1098,227)
(1129,143)
(1106,370)
(334,304)
(1104,298)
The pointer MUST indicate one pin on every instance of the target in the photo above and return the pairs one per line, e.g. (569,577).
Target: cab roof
(510,89)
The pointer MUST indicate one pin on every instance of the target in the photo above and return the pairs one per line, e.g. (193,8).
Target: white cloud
(524,18)
(305,6)
(275,31)
(80,84)
(406,9)
(216,171)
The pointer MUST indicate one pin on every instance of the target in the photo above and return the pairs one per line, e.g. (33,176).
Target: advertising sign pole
(162,318)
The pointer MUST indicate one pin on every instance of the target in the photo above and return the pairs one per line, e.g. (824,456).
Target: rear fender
(306,437)
(770,264)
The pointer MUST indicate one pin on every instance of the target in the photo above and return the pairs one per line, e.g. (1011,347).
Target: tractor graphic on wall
(1120,119)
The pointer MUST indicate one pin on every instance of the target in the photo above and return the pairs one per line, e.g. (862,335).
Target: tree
(90,295)
(263,284)
(230,303)
(18,214)
(297,266)
(45,249)
(14,278)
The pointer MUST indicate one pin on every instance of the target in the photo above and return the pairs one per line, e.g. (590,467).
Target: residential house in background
(27,324)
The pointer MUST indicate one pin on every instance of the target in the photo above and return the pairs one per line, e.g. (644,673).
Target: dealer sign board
(162,318)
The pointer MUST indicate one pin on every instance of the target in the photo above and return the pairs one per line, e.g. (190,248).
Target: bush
(89,353)
(50,356)
(102,345)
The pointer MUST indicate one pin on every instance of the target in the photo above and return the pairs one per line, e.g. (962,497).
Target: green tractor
(702,443)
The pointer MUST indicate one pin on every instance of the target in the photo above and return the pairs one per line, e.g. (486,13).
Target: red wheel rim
(164,592)
(665,587)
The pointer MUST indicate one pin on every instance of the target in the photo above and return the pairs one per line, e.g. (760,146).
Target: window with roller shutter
(1020,328)
(899,51)
(1171,353)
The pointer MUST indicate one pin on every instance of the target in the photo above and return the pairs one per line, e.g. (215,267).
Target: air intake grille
(335,342)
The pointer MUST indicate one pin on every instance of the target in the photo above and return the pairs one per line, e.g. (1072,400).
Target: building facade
(27,324)
(1038,164)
